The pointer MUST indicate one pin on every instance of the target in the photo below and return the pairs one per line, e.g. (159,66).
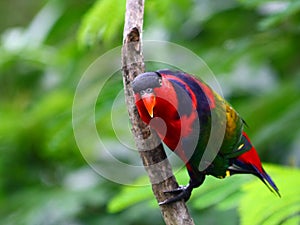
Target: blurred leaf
(254,3)
(272,118)
(50,206)
(230,202)
(130,195)
(43,22)
(209,194)
(283,13)
(225,194)
(259,207)
(214,191)
(102,22)
(275,12)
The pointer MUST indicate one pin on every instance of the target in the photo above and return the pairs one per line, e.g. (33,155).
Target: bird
(186,113)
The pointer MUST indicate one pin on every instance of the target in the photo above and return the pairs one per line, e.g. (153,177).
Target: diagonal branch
(149,145)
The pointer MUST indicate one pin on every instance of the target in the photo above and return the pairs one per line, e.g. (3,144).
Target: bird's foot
(182,192)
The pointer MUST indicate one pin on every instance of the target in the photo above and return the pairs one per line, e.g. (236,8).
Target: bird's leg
(183,192)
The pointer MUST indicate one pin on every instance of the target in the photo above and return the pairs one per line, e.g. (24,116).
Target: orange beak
(149,101)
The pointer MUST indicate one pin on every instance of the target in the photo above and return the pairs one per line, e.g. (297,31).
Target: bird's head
(144,85)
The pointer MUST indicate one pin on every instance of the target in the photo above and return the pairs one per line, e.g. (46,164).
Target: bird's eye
(149,90)
(160,82)
(142,92)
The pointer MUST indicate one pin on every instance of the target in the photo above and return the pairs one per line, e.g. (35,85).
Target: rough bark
(149,145)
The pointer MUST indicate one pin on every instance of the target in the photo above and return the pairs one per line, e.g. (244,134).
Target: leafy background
(251,46)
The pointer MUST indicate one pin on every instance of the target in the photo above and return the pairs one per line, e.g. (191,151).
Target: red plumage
(251,157)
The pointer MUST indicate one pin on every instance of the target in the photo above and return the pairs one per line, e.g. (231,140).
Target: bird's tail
(249,163)
(239,167)
(264,177)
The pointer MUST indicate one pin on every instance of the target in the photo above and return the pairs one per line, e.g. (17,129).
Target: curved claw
(182,192)
(175,191)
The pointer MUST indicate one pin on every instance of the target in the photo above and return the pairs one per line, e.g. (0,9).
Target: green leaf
(130,195)
(214,191)
(230,201)
(102,22)
(253,3)
(292,8)
(259,207)
(273,116)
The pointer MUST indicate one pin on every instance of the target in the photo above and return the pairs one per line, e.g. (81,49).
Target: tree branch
(149,145)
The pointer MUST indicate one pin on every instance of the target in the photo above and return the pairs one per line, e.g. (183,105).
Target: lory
(186,113)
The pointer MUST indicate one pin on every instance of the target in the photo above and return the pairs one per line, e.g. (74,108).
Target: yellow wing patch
(232,118)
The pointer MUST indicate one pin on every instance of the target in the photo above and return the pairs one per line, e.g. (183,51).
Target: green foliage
(268,209)
(102,22)
(253,200)
(131,195)
(282,12)
(276,126)
(210,194)
(251,46)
